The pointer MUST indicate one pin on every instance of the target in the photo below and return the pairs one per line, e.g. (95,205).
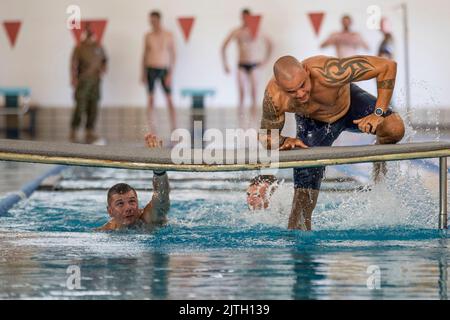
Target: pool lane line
(26,191)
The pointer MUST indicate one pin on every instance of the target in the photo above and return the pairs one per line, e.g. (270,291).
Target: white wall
(40,58)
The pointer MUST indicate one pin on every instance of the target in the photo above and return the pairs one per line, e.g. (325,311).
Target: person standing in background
(386,47)
(346,42)
(157,64)
(88,64)
(247,62)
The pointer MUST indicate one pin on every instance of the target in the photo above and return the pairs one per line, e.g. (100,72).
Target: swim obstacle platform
(143,158)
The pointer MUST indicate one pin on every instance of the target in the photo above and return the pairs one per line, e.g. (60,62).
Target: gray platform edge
(163,156)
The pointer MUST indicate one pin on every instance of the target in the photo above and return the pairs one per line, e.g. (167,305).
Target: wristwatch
(379,112)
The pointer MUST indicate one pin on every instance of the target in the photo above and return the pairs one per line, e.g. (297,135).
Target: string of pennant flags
(12,27)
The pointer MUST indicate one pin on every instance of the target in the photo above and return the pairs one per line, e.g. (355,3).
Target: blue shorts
(316,133)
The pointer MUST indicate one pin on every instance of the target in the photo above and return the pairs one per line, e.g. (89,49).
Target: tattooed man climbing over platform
(321,93)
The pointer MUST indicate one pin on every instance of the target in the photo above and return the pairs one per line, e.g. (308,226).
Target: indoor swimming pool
(368,242)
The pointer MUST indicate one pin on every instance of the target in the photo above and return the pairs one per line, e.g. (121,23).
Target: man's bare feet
(73,136)
(152,141)
(90,137)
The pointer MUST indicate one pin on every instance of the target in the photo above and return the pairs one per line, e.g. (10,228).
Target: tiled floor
(127,123)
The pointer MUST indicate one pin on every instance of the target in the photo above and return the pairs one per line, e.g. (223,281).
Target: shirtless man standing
(248,62)
(321,93)
(157,63)
(346,42)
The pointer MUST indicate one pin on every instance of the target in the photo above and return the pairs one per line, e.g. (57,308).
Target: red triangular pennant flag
(253,24)
(12,29)
(186,24)
(316,19)
(97,27)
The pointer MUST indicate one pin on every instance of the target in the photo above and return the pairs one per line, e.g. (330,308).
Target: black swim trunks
(153,74)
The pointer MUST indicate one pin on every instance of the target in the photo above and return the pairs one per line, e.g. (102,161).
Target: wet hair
(156,14)
(267,178)
(245,11)
(120,188)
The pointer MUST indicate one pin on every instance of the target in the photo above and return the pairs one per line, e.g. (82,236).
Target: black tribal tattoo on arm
(271,119)
(339,71)
(386,84)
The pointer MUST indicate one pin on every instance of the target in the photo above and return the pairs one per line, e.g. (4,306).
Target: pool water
(377,242)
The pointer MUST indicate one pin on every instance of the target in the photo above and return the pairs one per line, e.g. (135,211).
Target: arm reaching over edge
(273,118)
(155,212)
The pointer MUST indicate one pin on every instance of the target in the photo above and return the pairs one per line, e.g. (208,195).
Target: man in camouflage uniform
(88,64)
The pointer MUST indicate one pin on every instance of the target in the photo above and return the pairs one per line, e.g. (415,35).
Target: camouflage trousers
(87,95)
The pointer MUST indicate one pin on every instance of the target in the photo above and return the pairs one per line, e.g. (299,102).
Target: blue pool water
(372,243)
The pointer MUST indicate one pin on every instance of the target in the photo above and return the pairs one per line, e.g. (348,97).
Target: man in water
(158,62)
(260,191)
(346,42)
(321,93)
(123,206)
(248,61)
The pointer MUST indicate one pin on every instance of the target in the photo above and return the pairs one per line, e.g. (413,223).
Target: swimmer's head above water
(260,190)
(123,205)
